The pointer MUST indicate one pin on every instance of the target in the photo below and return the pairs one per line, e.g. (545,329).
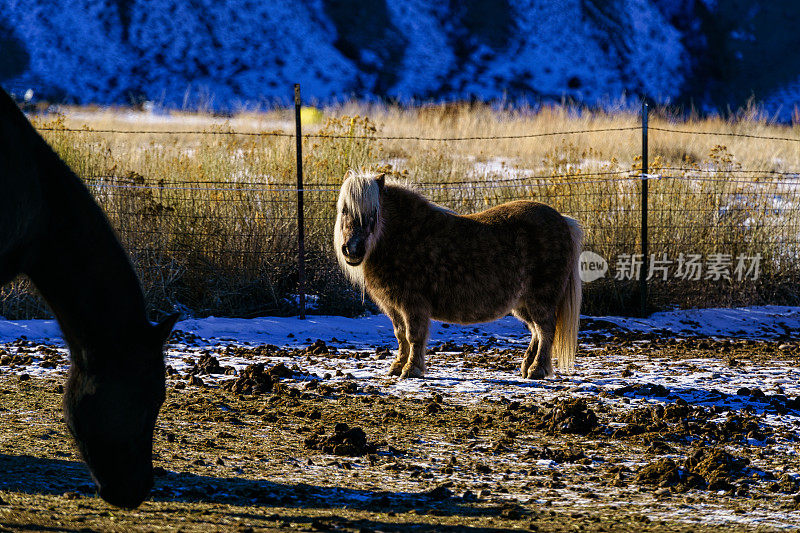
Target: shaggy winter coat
(419,261)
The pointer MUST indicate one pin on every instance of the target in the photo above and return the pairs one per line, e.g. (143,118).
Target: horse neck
(398,205)
(81,269)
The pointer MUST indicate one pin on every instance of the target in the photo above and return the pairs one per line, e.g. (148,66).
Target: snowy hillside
(228,55)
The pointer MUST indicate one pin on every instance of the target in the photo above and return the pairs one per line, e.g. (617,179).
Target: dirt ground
(646,435)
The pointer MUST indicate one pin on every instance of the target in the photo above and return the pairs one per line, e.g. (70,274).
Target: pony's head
(358,219)
(111,405)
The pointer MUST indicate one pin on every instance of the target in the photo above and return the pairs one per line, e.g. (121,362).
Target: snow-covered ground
(760,322)
(622,374)
(371,332)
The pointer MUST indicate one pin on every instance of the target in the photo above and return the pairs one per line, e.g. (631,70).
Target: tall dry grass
(209,218)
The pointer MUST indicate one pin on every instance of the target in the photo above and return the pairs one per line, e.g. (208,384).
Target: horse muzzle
(126,497)
(353,261)
(354,253)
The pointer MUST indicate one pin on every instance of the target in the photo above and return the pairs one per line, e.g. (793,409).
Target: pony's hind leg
(530,353)
(403,347)
(417,328)
(542,366)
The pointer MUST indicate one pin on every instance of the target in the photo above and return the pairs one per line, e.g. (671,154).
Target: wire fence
(716,236)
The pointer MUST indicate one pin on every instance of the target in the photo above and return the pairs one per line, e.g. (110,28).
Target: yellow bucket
(310,115)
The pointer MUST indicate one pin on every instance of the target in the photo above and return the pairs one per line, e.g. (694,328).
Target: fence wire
(725,134)
(742,230)
(278,133)
(344,136)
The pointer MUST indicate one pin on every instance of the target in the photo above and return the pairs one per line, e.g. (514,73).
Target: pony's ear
(349,174)
(381,179)
(164,328)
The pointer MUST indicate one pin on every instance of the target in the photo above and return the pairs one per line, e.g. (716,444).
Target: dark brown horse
(420,261)
(52,230)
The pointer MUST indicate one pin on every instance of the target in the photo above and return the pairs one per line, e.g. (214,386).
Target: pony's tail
(565,343)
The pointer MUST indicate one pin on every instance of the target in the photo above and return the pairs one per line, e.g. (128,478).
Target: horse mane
(411,190)
(50,211)
(7,104)
(28,150)
(26,136)
(361,195)
(361,186)
(21,209)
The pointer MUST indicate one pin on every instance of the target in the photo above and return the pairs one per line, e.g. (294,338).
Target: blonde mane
(360,195)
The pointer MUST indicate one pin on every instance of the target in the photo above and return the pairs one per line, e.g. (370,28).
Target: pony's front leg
(403,347)
(417,334)
(530,354)
(533,347)
(543,364)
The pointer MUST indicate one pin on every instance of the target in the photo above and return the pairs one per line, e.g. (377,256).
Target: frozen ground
(733,375)
(761,322)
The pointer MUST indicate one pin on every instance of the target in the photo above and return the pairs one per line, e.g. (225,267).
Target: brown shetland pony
(52,230)
(419,261)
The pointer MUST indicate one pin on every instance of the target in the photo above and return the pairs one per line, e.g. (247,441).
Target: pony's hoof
(413,372)
(396,369)
(524,371)
(536,373)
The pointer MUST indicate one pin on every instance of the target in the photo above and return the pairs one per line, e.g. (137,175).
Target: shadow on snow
(35,475)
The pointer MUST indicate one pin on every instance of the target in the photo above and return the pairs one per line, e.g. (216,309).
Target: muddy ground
(646,435)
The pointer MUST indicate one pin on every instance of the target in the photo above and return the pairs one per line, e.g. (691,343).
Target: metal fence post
(643,269)
(301,247)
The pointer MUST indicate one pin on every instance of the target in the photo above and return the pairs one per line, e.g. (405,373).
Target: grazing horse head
(358,218)
(111,403)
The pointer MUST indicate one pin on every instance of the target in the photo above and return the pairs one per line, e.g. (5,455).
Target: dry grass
(210,218)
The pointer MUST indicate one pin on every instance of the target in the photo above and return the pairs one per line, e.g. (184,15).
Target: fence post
(645,170)
(301,246)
